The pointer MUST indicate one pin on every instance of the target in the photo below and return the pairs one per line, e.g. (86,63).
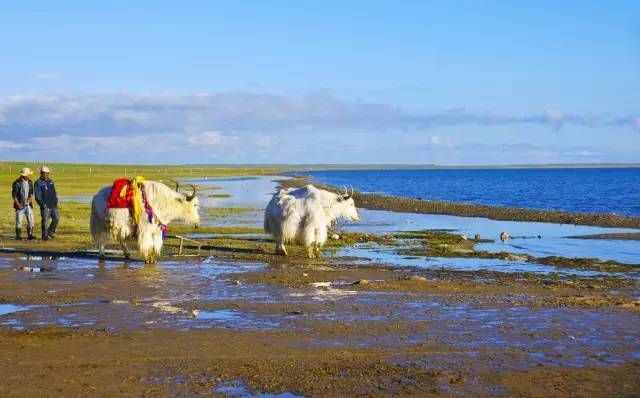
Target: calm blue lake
(592,190)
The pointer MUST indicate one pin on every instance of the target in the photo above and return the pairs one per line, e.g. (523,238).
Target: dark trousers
(50,218)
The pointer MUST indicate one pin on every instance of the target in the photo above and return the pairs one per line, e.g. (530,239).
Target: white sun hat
(45,169)
(26,172)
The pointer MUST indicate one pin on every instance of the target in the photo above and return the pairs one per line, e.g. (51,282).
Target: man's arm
(54,193)
(14,195)
(38,193)
(30,197)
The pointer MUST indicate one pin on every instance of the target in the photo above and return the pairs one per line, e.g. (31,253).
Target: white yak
(303,215)
(118,225)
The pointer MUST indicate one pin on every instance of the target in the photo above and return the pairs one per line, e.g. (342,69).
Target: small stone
(418,278)
(361,282)
(335,237)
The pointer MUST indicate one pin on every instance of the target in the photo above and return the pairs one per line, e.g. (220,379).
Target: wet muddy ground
(349,324)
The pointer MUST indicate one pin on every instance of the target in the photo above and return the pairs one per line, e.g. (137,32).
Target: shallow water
(255,192)
(375,254)
(11,308)
(554,237)
(249,193)
(237,389)
(196,295)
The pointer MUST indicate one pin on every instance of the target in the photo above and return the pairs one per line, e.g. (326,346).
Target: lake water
(592,190)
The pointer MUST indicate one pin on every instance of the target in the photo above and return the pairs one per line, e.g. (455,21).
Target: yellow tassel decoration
(136,198)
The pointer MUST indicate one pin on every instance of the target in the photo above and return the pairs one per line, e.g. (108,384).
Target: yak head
(345,207)
(186,205)
(191,206)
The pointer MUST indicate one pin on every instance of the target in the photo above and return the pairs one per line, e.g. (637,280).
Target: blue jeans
(50,218)
(26,213)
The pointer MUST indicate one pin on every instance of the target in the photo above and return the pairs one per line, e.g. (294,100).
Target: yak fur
(117,225)
(303,216)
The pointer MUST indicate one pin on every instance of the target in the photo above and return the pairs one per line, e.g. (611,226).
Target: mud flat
(197,327)
(434,315)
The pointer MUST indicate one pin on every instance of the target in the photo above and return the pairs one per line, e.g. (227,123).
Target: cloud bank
(239,127)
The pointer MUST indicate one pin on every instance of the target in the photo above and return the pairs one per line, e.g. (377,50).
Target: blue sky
(470,82)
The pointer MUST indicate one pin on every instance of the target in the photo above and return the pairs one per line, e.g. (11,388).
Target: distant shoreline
(356,167)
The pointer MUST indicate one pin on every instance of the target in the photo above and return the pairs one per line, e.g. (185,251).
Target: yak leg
(125,249)
(280,249)
(317,249)
(310,251)
(156,249)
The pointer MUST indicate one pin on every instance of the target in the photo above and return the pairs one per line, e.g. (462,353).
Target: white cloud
(5,145)
(250,127)
(124,114)
(209,138)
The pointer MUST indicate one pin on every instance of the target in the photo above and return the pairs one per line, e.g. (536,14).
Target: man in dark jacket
(22,194)
(47,198)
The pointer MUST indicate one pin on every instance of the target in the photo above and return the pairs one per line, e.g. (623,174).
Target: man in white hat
(22,193)
(47,198)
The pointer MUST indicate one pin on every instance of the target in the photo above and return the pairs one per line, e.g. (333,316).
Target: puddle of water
(219,315)
(365,254)
(233,319)
(238,389)
(328,294)
(11,308)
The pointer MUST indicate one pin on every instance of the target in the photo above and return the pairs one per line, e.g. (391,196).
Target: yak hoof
(281,250)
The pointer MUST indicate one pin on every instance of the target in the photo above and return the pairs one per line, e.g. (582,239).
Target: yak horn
(175,182)
(193,194)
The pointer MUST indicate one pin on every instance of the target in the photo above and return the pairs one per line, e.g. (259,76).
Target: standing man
(47,198)
(22,193)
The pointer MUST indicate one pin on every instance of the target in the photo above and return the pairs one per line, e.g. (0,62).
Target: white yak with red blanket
(303,215)
(160,206)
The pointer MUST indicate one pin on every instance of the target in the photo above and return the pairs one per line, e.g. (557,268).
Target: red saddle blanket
(120,196)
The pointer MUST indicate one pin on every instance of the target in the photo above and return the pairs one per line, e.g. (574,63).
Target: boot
(18,237)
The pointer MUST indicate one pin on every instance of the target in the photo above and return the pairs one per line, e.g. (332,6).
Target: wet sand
(189,328)
(244,322)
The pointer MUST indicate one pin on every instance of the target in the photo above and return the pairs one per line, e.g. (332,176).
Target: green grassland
(83,180)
